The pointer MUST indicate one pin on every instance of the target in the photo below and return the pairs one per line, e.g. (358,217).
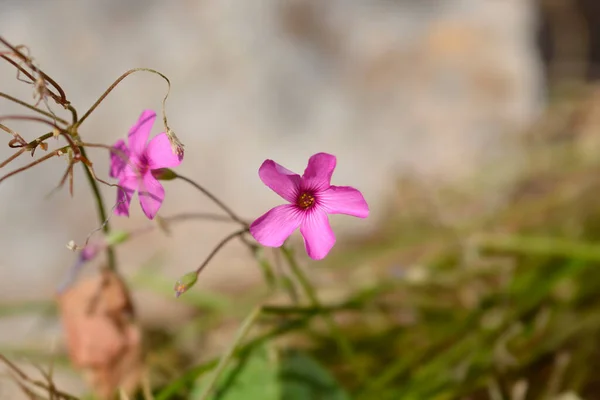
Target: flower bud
(164,174)
(89,252)
(185,283)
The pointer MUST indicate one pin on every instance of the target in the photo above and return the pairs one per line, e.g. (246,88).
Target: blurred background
(471,127)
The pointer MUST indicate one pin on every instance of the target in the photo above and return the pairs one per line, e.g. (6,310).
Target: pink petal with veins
(151,194)
(274,227)
(317,234)
(159,153)
(282,181)
(139,133)
(344,200)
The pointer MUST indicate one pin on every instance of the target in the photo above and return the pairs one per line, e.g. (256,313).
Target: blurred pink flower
(312,198)
(133,166)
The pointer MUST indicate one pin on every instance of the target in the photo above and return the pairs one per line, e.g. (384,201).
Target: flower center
(305,200)
(142,164)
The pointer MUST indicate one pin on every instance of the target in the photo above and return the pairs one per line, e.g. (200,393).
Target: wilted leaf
(102,338)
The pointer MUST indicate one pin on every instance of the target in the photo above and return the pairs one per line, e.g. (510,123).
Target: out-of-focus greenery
(485,292)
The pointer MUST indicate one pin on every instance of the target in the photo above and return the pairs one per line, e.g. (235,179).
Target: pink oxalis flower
(135,164)
(311,199)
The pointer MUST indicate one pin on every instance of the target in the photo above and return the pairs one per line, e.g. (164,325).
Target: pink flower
(311,199)
(133,165)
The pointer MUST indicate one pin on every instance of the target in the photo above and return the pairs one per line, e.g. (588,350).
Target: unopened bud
(185,283)
(164,174)
(89,252)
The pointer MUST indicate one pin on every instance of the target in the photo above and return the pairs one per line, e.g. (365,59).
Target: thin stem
(342,342)
(30,118)
(110,253)
(215,200)
(16,137)
(25,378)
(13,157)
(54,96)
(114,84)
(55,153)
(197,215)
(243,331)
(33,108)
(27,60)
(73,114)
(219,247)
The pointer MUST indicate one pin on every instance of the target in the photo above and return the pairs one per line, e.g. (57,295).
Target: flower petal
(317,174)
(118,159)
(127,187)
(159,153)
(139,133)
(274,227)
(281,180)
(317,234)
(151,194)
(344,200)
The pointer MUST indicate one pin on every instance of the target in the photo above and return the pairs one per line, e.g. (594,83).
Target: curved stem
(57,98)
(73,114)
(110,253)
(218,202)
(114,84)
(33,108)
(219,247)
(27,60)
(30,118)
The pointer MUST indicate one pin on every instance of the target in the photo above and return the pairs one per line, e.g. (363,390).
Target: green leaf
(302,378)
(263,374)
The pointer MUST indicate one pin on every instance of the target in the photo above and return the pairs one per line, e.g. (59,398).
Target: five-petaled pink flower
(133,165)
(312,198)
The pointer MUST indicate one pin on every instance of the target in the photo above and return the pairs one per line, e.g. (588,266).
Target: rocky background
(429,88)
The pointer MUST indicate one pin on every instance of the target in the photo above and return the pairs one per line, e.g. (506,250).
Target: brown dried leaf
(102,337)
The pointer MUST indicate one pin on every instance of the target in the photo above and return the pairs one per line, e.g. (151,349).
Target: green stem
(246,325)
(342,342)
(110,253)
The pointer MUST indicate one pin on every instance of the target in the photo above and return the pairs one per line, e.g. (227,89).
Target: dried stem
(33,108)
(25,378)
(55,153)
(62,98)
(13,157)
(115,83)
